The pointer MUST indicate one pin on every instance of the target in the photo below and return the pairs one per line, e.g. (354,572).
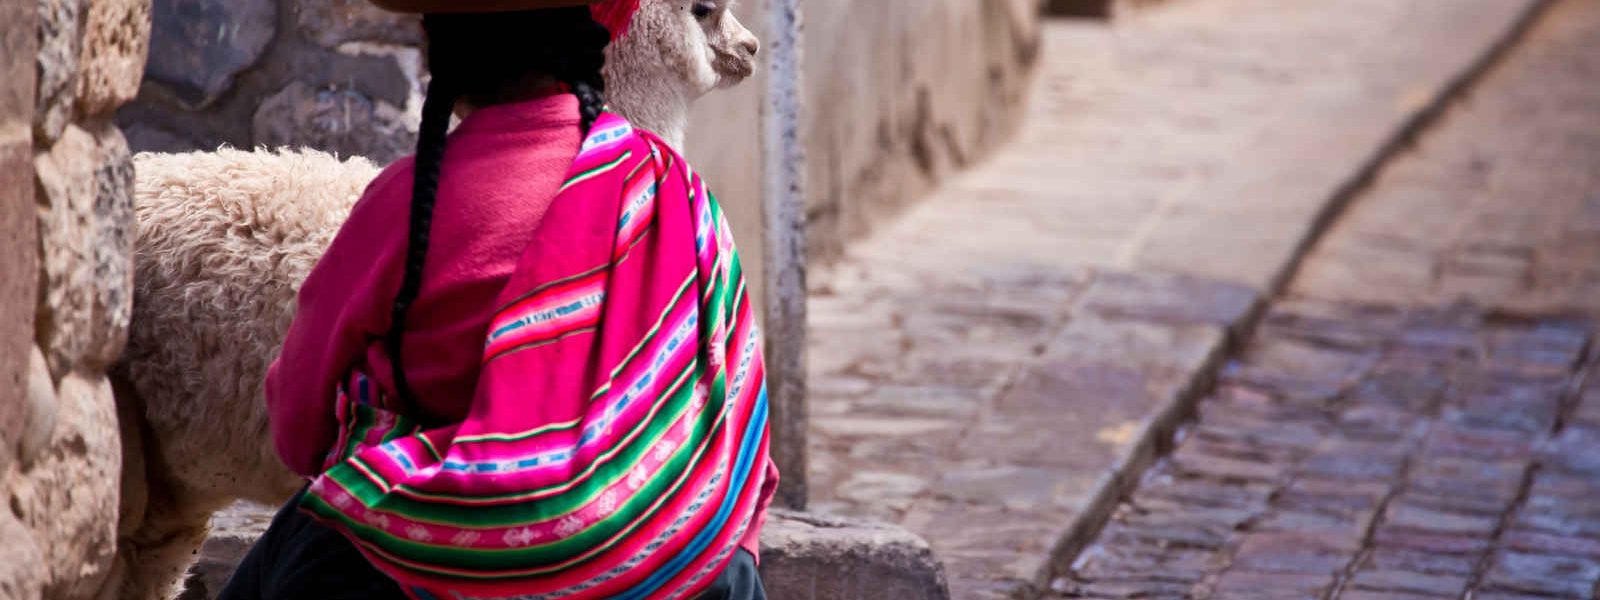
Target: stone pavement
(1420,418)
(1365,453)
(1501,205)
(996,367)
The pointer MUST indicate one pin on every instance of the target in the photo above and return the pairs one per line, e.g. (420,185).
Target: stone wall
(338,75)
(900,92)
(65,225)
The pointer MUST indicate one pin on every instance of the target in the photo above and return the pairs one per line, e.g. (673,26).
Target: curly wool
(224,240)
(206,237)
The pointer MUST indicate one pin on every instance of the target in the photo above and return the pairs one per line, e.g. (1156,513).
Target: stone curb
(1154,432)
(1152,435)
(809,557)
(803,557)
(1158,431)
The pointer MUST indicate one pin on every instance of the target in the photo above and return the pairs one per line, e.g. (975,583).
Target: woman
(550,386)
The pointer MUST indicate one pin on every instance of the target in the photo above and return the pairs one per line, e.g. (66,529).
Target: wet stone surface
(1379,488)
(984,414)
(1499,205)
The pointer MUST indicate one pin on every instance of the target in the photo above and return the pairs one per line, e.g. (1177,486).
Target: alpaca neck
(659,109)
(673,129)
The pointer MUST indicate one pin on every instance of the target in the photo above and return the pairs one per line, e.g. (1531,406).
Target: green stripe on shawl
(621,461)
(668,482)
(595,172)
(365,420)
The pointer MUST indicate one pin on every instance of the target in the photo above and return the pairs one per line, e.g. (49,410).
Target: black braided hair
(488,59)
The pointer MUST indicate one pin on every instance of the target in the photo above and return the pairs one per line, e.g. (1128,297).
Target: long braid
(478,57)
(436,112)
(581,70)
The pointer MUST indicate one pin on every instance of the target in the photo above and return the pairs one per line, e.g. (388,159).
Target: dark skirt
(300,558)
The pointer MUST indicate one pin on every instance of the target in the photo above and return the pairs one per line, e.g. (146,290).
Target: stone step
(803,557)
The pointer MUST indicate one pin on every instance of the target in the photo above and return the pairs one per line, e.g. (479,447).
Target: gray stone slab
(803,557)
(810,557)
(199,46)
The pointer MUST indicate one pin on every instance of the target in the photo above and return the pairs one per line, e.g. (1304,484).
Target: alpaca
(224,240)
(671,57)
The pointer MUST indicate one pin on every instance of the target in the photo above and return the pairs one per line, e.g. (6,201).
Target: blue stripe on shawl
(747,450)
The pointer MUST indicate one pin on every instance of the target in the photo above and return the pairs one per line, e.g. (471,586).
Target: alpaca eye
(701,10)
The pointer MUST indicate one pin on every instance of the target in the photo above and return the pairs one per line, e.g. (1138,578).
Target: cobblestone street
(1498,201)
(997,366)
(1379,438)
(1373,453)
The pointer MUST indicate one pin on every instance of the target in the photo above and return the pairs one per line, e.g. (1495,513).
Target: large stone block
(116,36)
(334,22)
(113,244)
(338,120)
(68,498)
(65,183)
(19,261)
(808,557)
(198,46)
(86,213)
(60,42)
(37,418)
(20,575)
(19,39)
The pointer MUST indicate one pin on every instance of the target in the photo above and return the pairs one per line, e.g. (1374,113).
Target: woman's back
(501,169)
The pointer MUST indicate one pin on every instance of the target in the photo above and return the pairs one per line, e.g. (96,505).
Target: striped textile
(617,440)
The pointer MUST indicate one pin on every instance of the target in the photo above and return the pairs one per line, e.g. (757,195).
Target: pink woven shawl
(617,442)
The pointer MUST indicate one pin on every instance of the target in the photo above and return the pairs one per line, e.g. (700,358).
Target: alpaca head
(674,52)
(733,47)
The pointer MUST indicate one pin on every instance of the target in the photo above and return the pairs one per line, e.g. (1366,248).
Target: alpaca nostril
(753,46)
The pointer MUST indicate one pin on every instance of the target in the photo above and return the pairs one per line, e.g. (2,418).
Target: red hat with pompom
(615,15)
